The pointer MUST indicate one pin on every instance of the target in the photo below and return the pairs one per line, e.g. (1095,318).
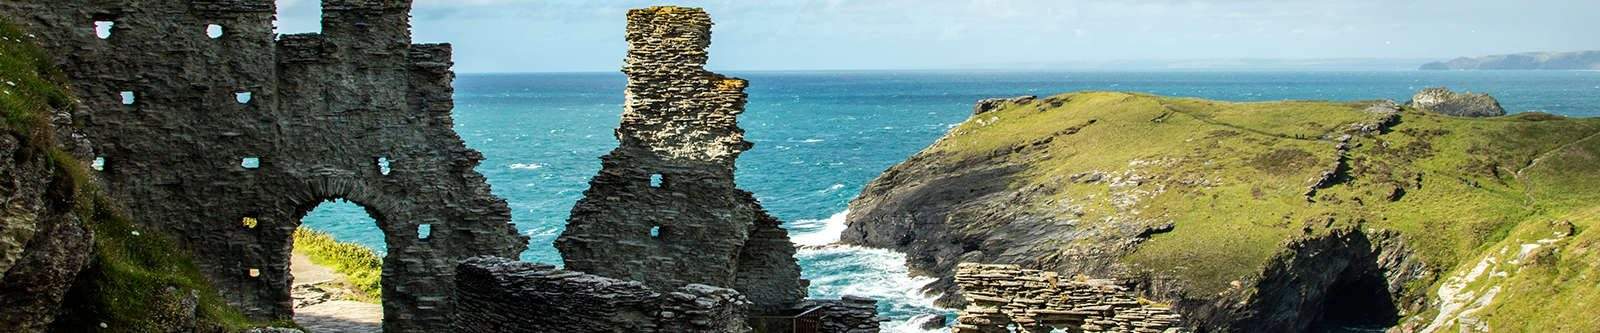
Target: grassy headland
(1236,181)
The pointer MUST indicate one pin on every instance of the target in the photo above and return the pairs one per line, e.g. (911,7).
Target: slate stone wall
(501,295)
(1000,296)
(664,209)
(198,133)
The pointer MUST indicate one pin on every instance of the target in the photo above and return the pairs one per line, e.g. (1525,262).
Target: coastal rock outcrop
(1204,205)
(664,209)
(210,126)
(991,104)
(1466,104)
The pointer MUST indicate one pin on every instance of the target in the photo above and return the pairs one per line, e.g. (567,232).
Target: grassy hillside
(362,267)
(126,286)
(1235,181)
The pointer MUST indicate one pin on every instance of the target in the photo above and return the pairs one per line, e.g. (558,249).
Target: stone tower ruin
(664,209)
(213,128)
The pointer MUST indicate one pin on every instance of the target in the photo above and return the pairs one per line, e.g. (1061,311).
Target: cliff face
(1284,216)
(1583,60)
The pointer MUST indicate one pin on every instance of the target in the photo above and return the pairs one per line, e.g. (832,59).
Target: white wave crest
(527,166)
(823,232)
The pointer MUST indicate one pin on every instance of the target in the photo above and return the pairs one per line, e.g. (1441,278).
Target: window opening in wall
(250,222)
(655,180)
(128,98)
(242,97)
(255,272)
(214,31)
(383,165)
(424,231)
(99,163)
(295,17)
(102,29)
(655,232)
(250,162)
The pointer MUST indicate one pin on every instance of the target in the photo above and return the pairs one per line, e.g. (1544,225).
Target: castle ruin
(215,129)
(664,209)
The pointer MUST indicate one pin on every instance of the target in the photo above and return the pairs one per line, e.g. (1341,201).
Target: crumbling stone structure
(501,295)
(664,209)
(1002,296)
(215,129)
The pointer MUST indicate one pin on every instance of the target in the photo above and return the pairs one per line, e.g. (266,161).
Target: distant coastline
(1581,60)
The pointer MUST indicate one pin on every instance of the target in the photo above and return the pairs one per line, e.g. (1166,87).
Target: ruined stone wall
(664,209)
(501,295)
(1038,301)
(199,132)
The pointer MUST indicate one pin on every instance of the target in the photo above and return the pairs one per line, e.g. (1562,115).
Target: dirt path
(318,306)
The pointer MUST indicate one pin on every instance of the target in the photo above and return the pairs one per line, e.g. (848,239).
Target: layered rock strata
(1002,296)
(205,121)
(501,295)
(664,209)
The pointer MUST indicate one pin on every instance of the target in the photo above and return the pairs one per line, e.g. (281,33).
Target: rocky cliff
(1279,216)
(1582,60)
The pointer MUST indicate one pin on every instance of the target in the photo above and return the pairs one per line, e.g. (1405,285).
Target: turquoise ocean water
(821,136)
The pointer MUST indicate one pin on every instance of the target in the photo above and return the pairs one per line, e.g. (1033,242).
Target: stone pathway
(320,305)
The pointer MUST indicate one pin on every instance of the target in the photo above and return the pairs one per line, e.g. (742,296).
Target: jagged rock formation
(1038,301)
(664,209)
(44,242)
(500,295)
(1581,60)
(1271,217)
(1444,101)
(204,118)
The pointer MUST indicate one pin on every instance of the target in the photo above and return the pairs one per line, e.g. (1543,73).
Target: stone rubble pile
(1003,296)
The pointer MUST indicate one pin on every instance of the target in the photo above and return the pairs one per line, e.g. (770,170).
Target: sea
(820,136)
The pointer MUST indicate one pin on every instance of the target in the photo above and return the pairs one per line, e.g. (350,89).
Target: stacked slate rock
(849,314)
(664,209)
(1039,301)
(502,295)
(1467,104)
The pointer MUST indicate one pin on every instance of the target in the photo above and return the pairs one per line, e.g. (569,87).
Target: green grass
(362,267)
(124,288)
(1232,179)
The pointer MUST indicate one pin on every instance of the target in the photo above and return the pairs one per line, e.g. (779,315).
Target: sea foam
(836,270)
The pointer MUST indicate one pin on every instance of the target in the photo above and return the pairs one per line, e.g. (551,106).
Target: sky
(587,35)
